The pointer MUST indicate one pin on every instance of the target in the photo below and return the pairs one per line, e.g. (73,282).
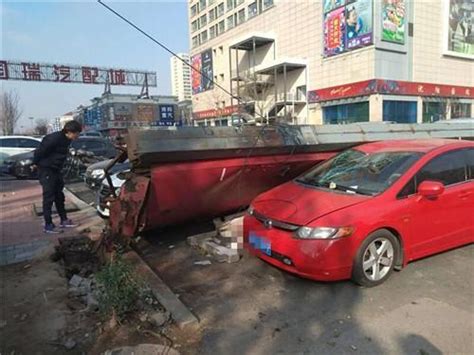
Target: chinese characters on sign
(30,71)
(347,25)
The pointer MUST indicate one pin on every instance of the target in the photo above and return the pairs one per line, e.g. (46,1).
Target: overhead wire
(174,54)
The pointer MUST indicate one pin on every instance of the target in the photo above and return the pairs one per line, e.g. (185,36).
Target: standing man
(49,159)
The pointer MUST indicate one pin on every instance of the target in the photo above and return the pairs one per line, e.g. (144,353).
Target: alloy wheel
(378,259)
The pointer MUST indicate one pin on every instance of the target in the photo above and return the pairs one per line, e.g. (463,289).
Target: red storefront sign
(215,113)
(390,87)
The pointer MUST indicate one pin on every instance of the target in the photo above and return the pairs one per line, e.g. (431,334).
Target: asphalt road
(253,308)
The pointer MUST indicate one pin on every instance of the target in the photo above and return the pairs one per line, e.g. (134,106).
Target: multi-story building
(113,114)
(332,61)
(181,77)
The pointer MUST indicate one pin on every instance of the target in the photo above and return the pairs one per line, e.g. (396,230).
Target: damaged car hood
(297,204)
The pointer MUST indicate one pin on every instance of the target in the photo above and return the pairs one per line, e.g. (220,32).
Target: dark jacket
(52,152)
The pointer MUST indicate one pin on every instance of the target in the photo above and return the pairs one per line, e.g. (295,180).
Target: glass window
(220,9)
(459,110)
(203,20)
(194,26)
(353,171)
(28,143)
(210,2)
(230,5)
(434,111)
(252,10)
(241,16)
(193,10)
(470,163)
(399,111)
(448,168)
(267,4)
(204,36)
(195,41)
(212,32)
(347,113)
(221,27)
(212,15)
(230,22)
(238,2)
(10,142)
(202,4)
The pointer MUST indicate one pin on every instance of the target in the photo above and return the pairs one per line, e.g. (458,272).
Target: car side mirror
(430,189)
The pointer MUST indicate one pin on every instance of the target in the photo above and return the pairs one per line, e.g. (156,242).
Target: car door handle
(465,194)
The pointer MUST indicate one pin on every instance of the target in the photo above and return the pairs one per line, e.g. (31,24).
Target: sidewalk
(21,231)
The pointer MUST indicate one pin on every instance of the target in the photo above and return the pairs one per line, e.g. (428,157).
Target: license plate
(261,244)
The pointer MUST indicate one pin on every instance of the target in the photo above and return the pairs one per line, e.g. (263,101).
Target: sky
(85,33)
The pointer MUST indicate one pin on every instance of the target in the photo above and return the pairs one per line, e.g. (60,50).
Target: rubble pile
(225,243)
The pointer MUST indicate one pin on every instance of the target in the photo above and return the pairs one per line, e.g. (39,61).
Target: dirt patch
(48,302)
(34,315)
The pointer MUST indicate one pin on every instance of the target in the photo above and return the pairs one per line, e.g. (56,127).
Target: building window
(230,5)
(238,2)
(434,111)
(459,110)
(194,26)
(202,4)
(212,32)
(230,22)
(267,4)
(195,41)
(204,36)
(399,111)
(203,20)
(194,10)
(252,10)
(220,9)
(221,27)
(212,15)
(346,113)
(210,2)
(241,16)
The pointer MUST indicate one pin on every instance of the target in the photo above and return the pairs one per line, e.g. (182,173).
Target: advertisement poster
(334,32)
(358,24)
(460,41)
(196,62)
(330,5)
(393,21)
(207,70)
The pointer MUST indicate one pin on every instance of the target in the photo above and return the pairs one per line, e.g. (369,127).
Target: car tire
(375,258)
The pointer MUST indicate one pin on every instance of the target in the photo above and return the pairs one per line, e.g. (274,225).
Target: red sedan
(367,211)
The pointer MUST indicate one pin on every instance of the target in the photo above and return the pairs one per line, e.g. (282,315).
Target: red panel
(206,189)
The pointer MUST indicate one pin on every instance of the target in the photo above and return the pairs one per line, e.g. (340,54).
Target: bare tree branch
(41,127)
(10,112)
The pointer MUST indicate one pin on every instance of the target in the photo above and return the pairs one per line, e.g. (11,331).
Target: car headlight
(26,162)
(98,174)
(323,232)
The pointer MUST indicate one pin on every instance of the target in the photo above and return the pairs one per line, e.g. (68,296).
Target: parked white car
(105,191)
(13,145)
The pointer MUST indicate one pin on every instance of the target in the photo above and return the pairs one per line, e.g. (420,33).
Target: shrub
(119,288)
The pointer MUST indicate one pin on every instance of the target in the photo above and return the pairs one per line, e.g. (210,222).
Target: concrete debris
(203,262)
(159,318)
(75,281)
(69,344)
(224,243)
(143,349)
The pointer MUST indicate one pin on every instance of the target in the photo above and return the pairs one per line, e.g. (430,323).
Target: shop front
(391,101)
